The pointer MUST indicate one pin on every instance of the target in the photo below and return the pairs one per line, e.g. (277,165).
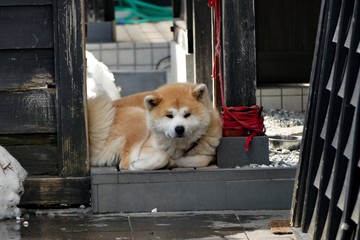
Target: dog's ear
(200,92)
(151,101)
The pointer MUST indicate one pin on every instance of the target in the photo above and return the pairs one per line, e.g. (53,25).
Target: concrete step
(210,189)
(139,81)
(191,189)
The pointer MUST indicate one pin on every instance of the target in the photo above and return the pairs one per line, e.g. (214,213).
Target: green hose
(140,12)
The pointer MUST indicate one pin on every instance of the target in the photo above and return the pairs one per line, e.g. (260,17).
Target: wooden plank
(37,159)
(33,27)
(189,25)
(25,69)
(37,153)
(284,67)
(55,191)
(183,28)
(25,2)
(333,112)
(70,86)
(286,25)
(239,53)
(321,105)
(202,44)
(27,112)
(302,171)
(27,139)
(350,186)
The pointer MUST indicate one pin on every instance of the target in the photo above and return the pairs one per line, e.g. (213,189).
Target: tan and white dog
(173,126)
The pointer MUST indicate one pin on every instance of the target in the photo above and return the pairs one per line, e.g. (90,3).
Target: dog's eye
(169,116)
(187,115)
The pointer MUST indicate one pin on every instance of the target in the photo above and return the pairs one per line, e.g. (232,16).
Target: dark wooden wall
(285,39)
(42,116)
(27,106)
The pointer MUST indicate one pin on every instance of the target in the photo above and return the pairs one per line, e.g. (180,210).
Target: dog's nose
(179,130)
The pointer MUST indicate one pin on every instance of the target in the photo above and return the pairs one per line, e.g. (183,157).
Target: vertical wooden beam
(239,52)
(298,203)
(70,86)
(202,43)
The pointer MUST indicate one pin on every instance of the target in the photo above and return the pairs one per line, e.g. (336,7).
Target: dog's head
(179,111)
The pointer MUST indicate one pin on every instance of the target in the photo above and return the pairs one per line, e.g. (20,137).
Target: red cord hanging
(241,120)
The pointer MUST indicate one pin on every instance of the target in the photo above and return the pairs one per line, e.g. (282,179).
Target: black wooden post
(70,82)
(202,43)
(239,52)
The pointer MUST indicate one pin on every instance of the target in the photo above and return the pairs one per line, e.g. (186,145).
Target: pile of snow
(12,176)
(10,230)
(100,79)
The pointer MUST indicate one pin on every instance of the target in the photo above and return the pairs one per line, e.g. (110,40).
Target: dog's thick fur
(173,126)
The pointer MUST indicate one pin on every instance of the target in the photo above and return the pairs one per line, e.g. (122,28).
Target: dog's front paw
(171,164)
(149,164)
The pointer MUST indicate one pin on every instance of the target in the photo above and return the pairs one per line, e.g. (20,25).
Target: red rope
(237,121)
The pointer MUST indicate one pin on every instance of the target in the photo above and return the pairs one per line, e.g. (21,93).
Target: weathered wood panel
(35,152)
(70,86)
(27,112)
(26,26)
(45,128)
(284,67)
(47,191)
(285,27)
(25,2)
(27,139)
(24,69)
(37,159)
(202,41)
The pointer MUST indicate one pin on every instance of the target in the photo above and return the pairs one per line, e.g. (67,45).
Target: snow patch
(100,79)
(12,176)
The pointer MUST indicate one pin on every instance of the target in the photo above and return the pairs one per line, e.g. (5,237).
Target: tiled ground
(283,96)
(136,46)
(129,56)
(244,225)
(157,32)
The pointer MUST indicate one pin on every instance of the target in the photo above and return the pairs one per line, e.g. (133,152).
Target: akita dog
(172,126)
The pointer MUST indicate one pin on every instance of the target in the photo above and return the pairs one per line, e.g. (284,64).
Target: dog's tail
(101,114)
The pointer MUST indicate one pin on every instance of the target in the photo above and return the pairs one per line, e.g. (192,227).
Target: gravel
(275,118)
(282,122)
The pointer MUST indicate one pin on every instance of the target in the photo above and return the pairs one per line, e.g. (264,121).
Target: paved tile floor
(145,32)
(82,224)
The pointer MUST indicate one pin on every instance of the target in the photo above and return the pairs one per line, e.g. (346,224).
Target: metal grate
(326,201)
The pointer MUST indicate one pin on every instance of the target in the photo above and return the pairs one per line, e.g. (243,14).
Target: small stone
(285,151)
